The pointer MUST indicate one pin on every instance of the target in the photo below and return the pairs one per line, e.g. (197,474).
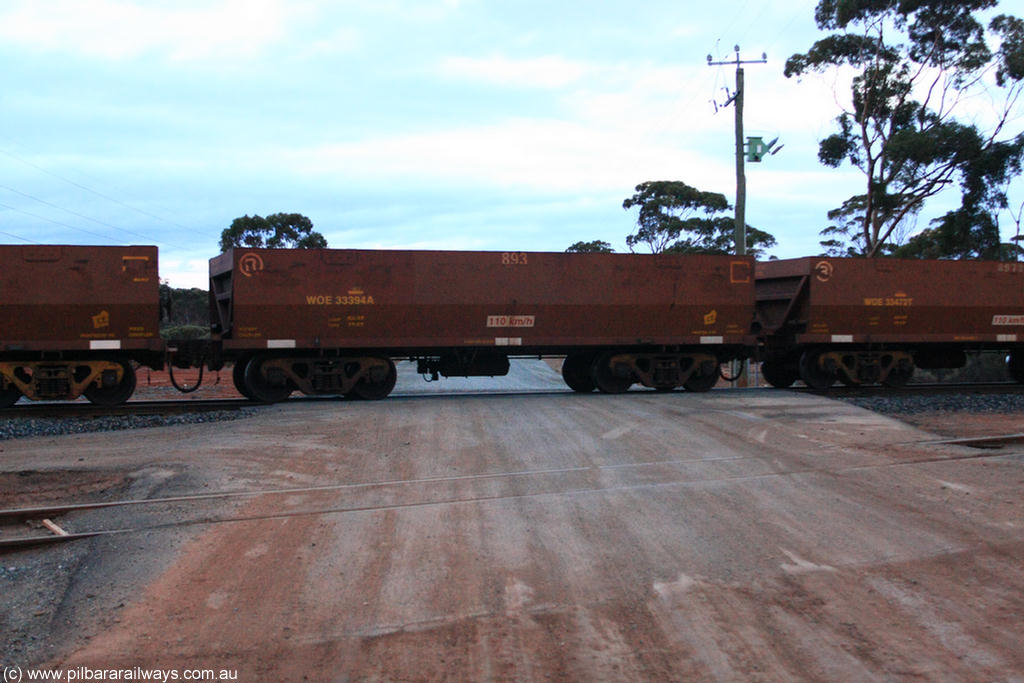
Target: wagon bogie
(102,381)
(855,367)
(270,378)
(694,370)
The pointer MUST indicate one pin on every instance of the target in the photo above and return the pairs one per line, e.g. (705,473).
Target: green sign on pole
(756,149)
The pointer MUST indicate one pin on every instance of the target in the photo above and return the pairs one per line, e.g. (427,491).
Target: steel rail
(82,409)
(168,406)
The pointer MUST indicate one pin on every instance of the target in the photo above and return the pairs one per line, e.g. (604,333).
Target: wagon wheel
(1015,364)
(238,377)
(118,393)
(576,371)
(9,395)
(813,374)
(700,383)
(368,390)
(779,374)
(266,390)
(605,380)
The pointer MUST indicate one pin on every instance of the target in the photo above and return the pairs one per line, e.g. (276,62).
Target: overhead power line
(92,191)
(17,237)
(50,220)
(82,215)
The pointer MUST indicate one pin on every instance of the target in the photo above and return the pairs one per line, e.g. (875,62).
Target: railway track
(85,409)
(54,419)
(919,389)
(179,406)
(31,526)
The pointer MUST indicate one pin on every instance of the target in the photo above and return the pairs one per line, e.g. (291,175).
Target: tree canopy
(917,63)
(276,231)
(675,217)
(594,246)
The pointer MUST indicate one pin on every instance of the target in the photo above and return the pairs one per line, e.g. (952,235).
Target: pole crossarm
(738,61)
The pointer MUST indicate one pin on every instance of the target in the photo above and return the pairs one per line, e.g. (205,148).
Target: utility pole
(740,234)
(740,230)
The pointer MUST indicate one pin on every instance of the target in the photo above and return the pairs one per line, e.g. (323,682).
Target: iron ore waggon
(74,319)
(77,320)
(332,321)
(862,321)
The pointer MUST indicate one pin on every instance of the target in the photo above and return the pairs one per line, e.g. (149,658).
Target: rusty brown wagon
(333,321)
(862,321)
(73,319)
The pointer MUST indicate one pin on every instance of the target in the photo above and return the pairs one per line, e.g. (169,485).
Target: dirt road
(733,536)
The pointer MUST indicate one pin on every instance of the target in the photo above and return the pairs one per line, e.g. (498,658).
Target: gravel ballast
(913,404)
(20,428)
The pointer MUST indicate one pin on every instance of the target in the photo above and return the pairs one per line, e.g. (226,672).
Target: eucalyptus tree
(913,124)
(276,231)
(591,247)
(675,217)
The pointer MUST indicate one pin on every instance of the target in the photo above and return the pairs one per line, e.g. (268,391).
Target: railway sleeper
(104,382)
(366,377)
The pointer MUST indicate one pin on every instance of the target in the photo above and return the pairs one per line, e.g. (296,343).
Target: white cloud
(339,41)
(803,187)
(535,72)
(646,99)
(120,29)
(540,155)
(615,126)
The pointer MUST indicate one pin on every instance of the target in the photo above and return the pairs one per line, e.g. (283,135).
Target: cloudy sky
(435,124)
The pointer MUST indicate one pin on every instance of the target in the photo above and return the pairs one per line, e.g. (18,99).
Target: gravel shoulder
(952,415)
